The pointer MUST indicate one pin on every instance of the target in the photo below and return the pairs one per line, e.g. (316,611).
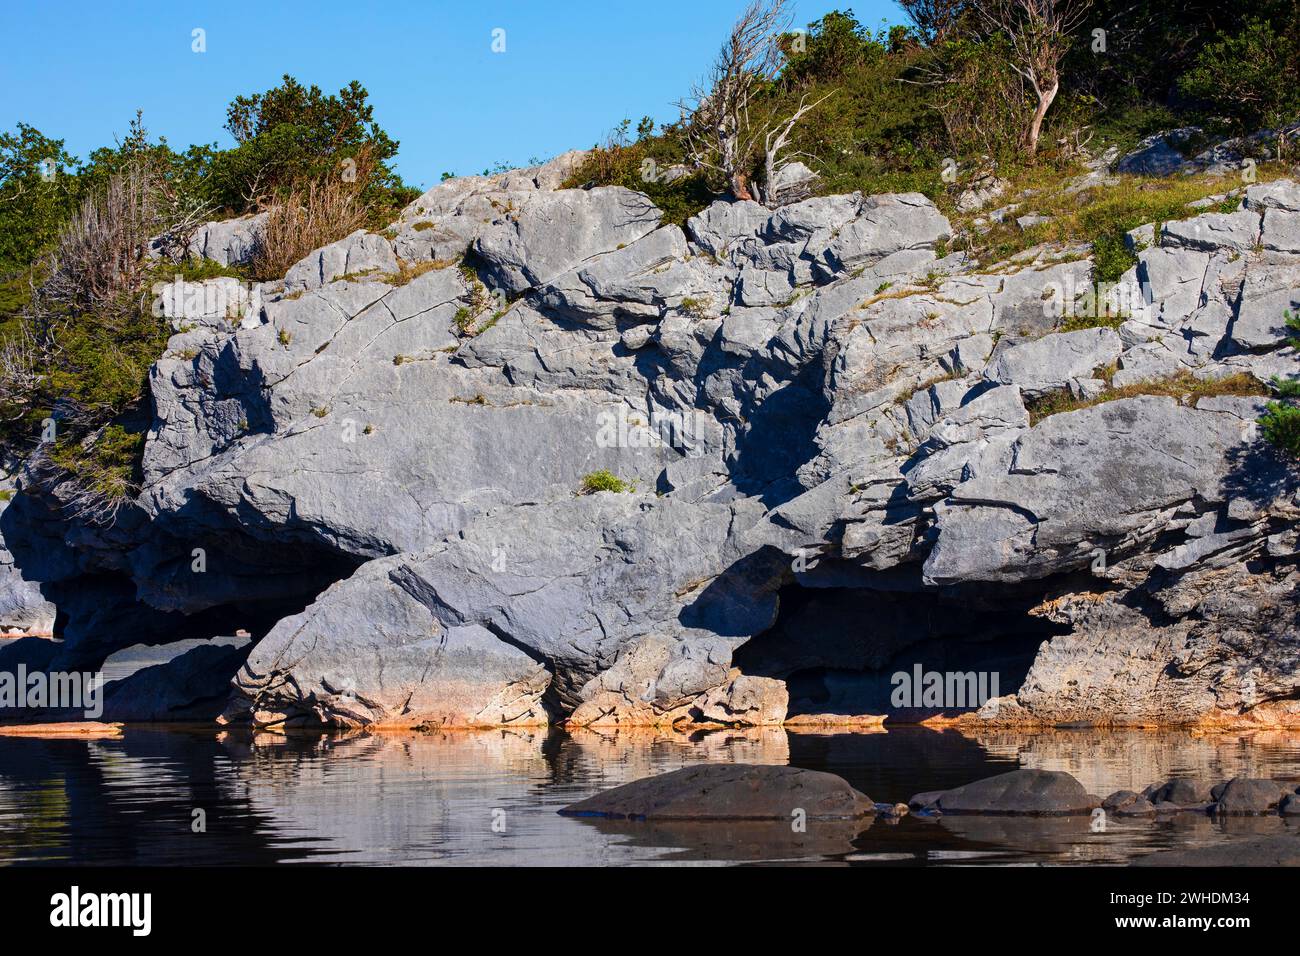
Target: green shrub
(1285,387)
(199,270)
(604,480)
(1280,426)
(1292,320)
(1251,77)
(1092,319)
(105,470)
(33,206)
(1111,256)
(291,134)
(641,166)
(874,132)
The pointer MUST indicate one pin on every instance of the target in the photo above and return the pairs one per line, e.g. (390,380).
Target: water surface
(491,797)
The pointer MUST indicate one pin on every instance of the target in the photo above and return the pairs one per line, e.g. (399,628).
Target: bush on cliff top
(77,330)
(907,99)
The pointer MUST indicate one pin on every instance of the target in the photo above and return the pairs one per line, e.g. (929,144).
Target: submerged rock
(1181,791)
(730,792)
(1246,796)
(1028,792)
(1126,803)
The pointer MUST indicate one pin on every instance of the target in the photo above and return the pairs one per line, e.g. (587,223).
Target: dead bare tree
(1039,34)
(103,249)
(720,132)
(20,368)
(775,141)
(94,290)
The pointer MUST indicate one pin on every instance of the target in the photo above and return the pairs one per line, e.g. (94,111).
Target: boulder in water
(729,792)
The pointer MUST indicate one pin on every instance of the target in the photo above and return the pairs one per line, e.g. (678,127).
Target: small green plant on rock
(1280,426)
(604,480)
(694,307)
(1280,423)
(104,471)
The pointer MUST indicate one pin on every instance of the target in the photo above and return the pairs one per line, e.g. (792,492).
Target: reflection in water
(490,797)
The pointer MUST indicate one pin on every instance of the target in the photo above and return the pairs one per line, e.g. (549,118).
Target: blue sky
(571,69)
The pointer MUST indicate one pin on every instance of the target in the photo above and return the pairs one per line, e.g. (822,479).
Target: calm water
(491,797)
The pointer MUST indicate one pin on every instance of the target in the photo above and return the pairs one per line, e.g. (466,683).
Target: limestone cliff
(834,445)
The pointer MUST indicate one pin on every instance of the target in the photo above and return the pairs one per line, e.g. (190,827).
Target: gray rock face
(981,193)
(24,610)
(1225,230)
(361,254)
(1281,194)
(1174,151)
(729,792)
(1049,363)
(228,242)
(641,281)
(385,468)
(193,687)
(532,599)
(1268,292)
(746,702)
(794,182)
(886,225)
(552,233)
(1109,477)
(1027,792)
(371,652)
(819,240)
(1158,154)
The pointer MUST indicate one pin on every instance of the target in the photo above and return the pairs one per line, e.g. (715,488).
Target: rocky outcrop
(227,242)
(389,468)
(24,610)
(1187,150)
(529,603)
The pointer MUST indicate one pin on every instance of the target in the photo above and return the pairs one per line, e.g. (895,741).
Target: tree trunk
(1045,98)
(740,186)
